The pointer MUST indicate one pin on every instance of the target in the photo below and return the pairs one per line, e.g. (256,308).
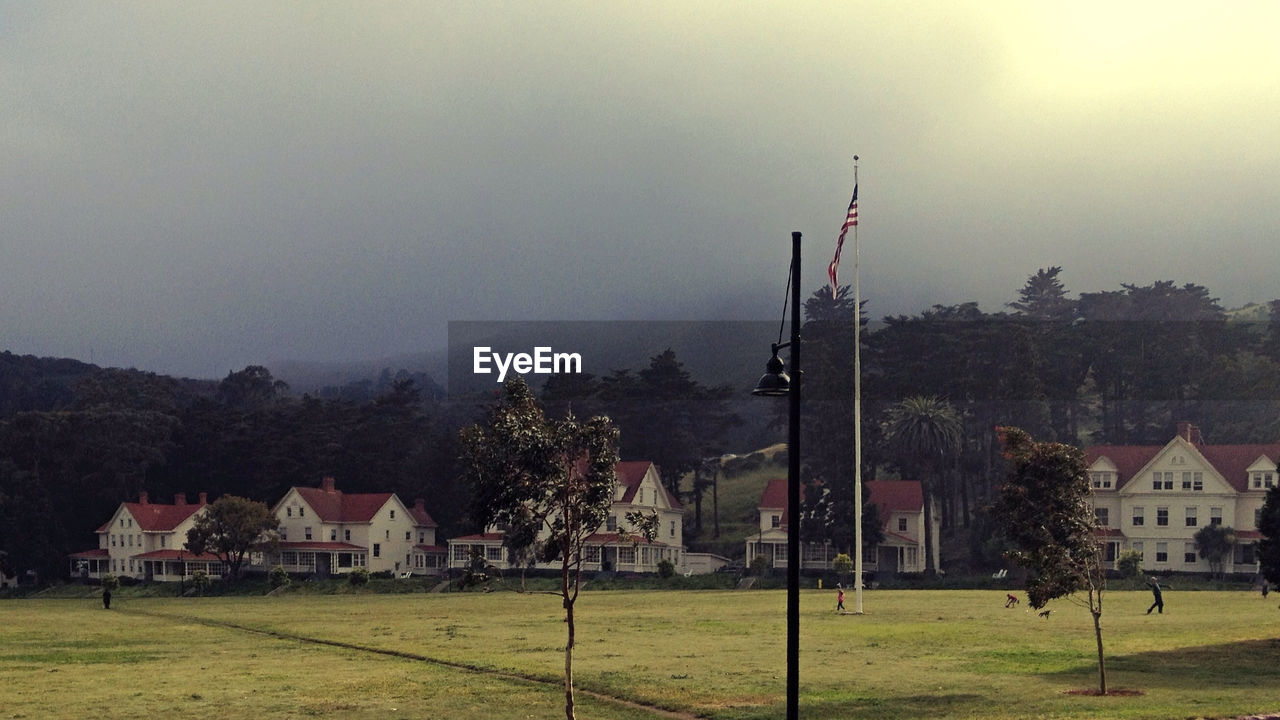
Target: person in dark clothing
(106,598)
(1159,600)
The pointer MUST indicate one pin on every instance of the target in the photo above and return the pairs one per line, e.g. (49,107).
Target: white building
(901,507)
(324,531)
(146,541)
(614,546)
(1153,498)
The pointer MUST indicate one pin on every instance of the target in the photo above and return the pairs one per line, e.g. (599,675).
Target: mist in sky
(192,188)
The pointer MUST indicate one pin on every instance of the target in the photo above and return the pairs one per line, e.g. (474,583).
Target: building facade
(1153,499)
(325,531)
(614,546)
(900,504)
(146,541)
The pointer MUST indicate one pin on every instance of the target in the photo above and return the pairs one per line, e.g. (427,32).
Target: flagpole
(857,420)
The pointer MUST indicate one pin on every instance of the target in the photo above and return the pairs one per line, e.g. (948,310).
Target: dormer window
(775,520)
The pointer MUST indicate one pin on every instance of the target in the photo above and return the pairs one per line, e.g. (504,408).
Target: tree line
(1121,366)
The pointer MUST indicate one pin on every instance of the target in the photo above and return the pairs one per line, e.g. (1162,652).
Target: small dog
(1045,614)
(1012,600)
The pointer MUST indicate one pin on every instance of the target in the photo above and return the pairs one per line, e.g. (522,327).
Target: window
(333,534)
(288,512)
(627,555)
(164,541)
(388,537)
(408,535)
(1168,481)
(902,524)
(673,528)
(1197,482)
(493,553)
(301,512)
(306,532)
(640,497)
(775,521)
(1103,516)
(461,553)
(1215,516)
(1189,553)
(1137,517)
(284,533)
(1192,520)
(377,550)
(422,538)
(113,538)
(611,524)
(130,544)
(1257,481)
(1137,547)
(346,535)
(1101,480)
(1162,516)
(591,554)
(1186,480)
(393,514)
(1257,517)
(1162,552)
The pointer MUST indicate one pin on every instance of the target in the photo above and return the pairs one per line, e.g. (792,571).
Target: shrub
(201,580)
(1129,563)
(666,568)
(359,576)
(110,582)
(279,577)
(759,565)
(382,575)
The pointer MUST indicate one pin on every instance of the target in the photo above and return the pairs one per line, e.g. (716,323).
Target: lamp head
(775,382)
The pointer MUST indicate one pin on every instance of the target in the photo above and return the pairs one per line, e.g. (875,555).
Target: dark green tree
(1269,545)
(1214,543)
(549,482)
(924,433)
(1046,511)
(231,528)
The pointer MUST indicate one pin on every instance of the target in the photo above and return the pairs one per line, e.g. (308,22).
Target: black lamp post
(774,383)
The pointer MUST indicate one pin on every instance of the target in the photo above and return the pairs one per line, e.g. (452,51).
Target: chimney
(142,498)
(204,498)
(327,485)
(1190,433)
(180,499)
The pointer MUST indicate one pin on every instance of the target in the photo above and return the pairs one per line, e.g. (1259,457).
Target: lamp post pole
(775,383)
(793,494)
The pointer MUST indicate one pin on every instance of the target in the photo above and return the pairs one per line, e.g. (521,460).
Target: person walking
(1155,593)
(106,598)
(839,598)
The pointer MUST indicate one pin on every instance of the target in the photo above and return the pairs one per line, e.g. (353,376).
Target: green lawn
(718,654)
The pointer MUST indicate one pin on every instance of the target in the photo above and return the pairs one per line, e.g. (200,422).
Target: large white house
(1153,498)
(613,546)
(324,531)
(146,541)
(900,504)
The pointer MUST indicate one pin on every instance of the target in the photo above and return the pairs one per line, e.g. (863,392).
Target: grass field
(716,654)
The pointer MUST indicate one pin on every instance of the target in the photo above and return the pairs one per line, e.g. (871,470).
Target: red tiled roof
(481,537)
(316,545)
(431,548)
(175,554)
(900,537)
(336,506)
(156,517)
(631,473)
(1231,461)
(420,516)
(94,553)
(775,498)
(612,538)
(1248,534)
(896,496)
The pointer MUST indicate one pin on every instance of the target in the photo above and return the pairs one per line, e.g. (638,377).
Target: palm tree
(922,432)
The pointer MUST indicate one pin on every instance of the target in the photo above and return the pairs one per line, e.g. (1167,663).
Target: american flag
(850,220)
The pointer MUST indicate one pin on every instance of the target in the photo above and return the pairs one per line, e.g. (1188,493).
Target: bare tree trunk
(930,566)
(1097,631)
(568,646)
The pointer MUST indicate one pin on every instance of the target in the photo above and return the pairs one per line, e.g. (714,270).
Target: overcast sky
(190,188)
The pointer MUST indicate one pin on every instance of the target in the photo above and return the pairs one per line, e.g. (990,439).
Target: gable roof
(1231,461)
(631,473)
(896,496)
(335,506)
(420,516)
(774,497)
(156,517)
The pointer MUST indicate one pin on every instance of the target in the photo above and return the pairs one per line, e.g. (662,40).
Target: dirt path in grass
(513,677)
